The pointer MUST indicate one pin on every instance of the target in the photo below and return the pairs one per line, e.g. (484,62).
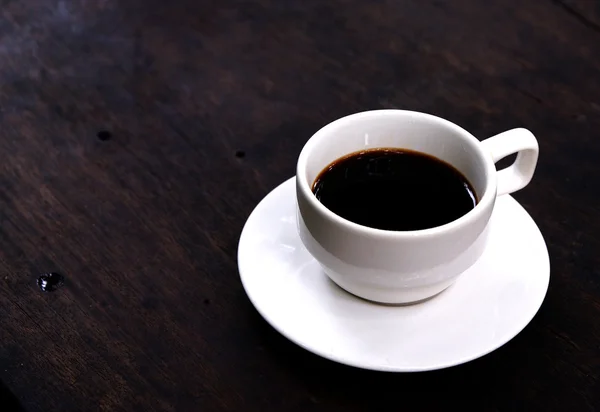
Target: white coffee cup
(406,266)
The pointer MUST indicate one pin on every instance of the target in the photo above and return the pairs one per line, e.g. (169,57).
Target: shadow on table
(8,402)
(485,381)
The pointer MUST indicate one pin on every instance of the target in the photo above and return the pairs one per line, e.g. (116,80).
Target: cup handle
(519,174)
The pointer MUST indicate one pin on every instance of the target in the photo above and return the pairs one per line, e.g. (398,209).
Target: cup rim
(484,203)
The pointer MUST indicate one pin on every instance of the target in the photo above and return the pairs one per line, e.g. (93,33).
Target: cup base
(391,297)
(416,302)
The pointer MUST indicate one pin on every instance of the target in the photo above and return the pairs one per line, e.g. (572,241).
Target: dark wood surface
(207,105)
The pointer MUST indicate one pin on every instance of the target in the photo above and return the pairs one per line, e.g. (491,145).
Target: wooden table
(202,109)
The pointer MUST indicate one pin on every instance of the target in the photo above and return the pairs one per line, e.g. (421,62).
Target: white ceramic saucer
(487,306)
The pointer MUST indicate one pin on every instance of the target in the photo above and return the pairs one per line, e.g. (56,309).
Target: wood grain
(144,225)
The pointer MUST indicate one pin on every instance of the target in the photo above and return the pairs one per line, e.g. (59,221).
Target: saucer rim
(384,368)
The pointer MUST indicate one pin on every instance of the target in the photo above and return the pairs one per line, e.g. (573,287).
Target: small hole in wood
(104,135)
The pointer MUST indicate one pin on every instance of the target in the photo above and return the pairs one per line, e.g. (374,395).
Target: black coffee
(394,189)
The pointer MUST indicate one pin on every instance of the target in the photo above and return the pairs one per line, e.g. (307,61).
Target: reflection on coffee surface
(394,189)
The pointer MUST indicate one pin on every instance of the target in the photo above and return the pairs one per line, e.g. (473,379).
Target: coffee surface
(394,189)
